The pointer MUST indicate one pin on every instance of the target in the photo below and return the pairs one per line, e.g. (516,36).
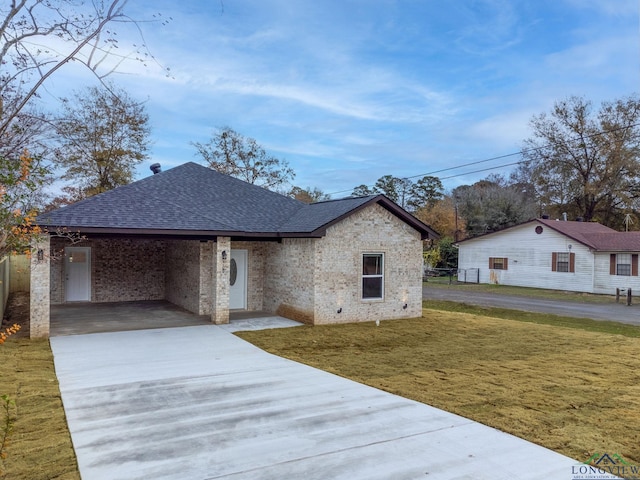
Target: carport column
(40,287)
(221,258)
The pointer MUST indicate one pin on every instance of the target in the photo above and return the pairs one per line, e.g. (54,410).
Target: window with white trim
(623,264)
(562,262)
(372,276)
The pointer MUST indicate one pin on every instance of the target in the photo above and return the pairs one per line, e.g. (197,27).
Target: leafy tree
(242,157)
(448,253)
(396,189)
(585,162)
(492,204)
(425,192)
(104,135)
(308,195)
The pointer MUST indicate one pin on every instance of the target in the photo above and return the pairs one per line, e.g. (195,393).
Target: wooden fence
(15,276)
(20,273)
(4,284)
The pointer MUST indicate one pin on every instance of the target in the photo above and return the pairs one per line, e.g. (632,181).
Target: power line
(499,157)
(484,169)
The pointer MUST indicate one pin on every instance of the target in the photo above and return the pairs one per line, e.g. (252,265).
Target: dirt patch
(296,314)
(17,312)
(573,391)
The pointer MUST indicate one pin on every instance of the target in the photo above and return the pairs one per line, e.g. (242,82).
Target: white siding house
(558,255)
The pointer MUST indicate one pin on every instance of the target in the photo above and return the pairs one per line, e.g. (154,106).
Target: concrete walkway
(199,403)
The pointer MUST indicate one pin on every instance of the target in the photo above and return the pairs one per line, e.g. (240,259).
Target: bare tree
(38,37)
(586,162)
(242,157)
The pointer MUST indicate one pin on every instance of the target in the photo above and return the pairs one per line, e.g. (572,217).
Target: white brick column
(222,248)
(40,288)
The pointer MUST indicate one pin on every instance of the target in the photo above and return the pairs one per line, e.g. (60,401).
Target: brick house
(211,243)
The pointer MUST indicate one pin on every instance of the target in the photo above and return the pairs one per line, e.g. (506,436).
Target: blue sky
(350,90)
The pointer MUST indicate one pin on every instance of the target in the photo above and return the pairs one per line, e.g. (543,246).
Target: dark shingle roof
(192,199)
(322,213)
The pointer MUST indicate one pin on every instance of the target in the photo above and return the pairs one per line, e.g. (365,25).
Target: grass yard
(40,445)
(569,389)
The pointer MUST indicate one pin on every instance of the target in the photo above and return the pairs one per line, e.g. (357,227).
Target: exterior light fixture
(40,254)
(224,254)
(404,307)
(340,310)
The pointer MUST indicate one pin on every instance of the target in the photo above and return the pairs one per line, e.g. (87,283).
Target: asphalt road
(617,312)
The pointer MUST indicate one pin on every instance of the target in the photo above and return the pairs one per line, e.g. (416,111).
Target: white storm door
(77,267)
(238,280)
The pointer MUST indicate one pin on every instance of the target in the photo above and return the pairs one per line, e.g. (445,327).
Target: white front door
(77,262)
(238,280)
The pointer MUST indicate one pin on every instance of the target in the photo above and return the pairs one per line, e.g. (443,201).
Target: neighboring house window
(372,275)
(563,262)
(624,264)
(498,263)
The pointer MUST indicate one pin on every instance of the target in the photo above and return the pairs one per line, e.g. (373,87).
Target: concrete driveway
(199,403)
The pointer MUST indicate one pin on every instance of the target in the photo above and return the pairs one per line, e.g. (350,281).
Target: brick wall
(182,274)
(289,278)
(121,270)
(57,270)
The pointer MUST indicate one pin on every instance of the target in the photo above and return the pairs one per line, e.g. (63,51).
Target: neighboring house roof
(616,242)
(195,200)
(582,232)
(592,234)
